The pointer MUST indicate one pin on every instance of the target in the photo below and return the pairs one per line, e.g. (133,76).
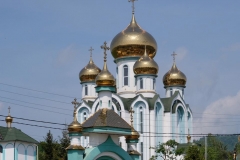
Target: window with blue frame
(125,75)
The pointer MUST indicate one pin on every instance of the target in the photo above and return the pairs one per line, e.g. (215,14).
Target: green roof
(14,134)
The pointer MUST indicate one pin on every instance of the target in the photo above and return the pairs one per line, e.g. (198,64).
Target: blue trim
(74,134)
(132,140)
(152,75)
(126,58)
(107,130)
(105,88)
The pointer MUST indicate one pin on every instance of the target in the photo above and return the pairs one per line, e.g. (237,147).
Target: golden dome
(134,135)
(75,126)
(9,119)
(105,78)
(174,77)
(131,41)
(145,65)
(89,72)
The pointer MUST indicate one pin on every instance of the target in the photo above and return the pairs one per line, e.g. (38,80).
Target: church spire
(9,118)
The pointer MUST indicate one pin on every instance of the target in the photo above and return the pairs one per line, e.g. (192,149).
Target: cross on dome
(75,103)
(174,56)
(91,49)
(9,109)
(133,8)
(105,48)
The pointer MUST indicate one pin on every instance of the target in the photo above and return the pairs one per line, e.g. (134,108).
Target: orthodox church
(121,117)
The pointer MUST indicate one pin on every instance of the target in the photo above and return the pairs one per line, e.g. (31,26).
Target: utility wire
(33,96)
(36,90)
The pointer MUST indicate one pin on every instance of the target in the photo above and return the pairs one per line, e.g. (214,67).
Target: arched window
(86,90)
(109,103)
(125,75)
(171,92)
(141,83)
(84,116)
(180,124)
(141,119)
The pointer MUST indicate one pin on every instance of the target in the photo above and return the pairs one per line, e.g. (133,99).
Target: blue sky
(44,45)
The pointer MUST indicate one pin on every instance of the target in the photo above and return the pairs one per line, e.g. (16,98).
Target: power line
(33,96)
(36,90)
(34,108)
(34,103)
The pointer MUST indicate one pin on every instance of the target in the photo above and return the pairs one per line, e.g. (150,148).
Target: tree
(167,150)
(49,148)
(193,152)
(64,143)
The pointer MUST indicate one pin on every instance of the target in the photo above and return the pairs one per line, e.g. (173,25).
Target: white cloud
(181,53)
(66,55)
(221,116)
(232,48)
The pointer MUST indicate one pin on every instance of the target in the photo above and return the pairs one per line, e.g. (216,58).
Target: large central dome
(131,42)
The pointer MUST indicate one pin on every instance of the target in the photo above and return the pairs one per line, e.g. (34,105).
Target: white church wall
(9,151)
(21,151)
(171,90)
(127,91)
(90,93)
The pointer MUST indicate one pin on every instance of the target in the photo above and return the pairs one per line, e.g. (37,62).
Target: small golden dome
(131,41)
(174,77)
(134,135)
(75,126)
(105,78)
(9,119)
(145,65)
(89,72)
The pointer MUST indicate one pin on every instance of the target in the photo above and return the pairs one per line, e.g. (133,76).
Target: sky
(44,45)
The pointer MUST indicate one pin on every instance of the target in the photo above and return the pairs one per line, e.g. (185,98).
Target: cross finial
(105,48)
(133,8)
(9,109)
(174,54)
(75,103)
(91,49)
(131,111)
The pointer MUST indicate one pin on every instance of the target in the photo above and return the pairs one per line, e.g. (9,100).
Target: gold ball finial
(134,134)
(90,71)
(105,78)
(174,77)
(9,118)
(75,126)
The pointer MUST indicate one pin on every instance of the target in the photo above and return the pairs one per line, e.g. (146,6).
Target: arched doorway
(105,158)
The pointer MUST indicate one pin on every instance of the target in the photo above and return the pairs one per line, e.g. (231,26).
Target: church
(121,117)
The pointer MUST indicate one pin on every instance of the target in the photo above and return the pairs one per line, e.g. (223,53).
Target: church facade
(132,94)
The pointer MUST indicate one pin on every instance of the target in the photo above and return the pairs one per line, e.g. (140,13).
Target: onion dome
(9,118)
(131,41)
(89,72)
(75,126)
(145,65)
(105,78)
(134,135)
(174,77)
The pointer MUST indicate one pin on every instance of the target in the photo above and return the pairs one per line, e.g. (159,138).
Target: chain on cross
(133,8)
(174,56)
(91,49)
(105,48)
(75,103)
(131,111)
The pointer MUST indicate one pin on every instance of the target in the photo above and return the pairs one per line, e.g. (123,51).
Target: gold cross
(91,49)
(105,48)
(174,54)
(9,108)
(75,103)
(131,111)
(133,8)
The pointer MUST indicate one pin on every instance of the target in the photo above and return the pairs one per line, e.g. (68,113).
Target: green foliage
(194,152)
(167,150)
(51,149)
(216,150)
